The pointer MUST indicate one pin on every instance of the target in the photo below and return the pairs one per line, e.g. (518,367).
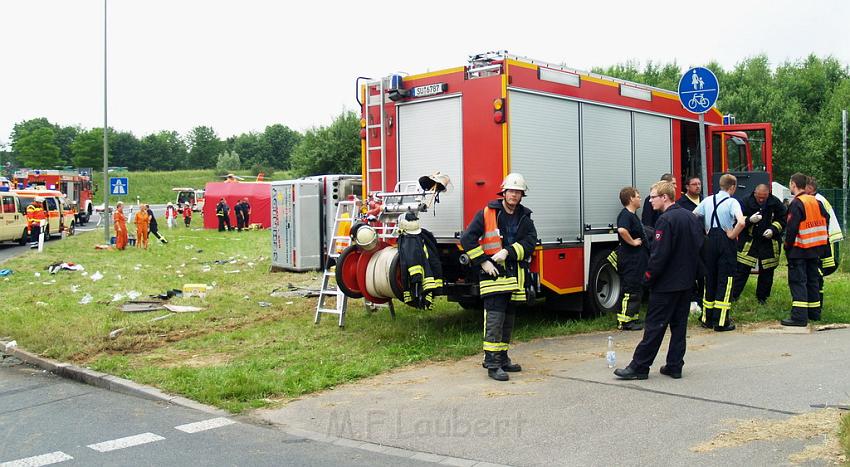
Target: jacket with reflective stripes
(752,245)
(806,234)
(519,253)
(835,234)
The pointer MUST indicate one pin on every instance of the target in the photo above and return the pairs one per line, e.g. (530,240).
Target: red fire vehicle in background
(577,137)
(75,184)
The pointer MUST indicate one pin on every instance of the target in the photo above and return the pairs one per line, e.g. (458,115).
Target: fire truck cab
(577,137)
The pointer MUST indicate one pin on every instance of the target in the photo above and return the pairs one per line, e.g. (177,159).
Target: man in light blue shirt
(723,220)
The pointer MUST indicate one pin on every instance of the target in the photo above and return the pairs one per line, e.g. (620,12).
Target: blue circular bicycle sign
(698,90)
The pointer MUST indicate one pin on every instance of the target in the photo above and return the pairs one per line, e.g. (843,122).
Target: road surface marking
(35,461)
(127,442)
(205,425)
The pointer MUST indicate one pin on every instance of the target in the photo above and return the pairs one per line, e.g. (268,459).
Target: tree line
(803,100)
(39,143)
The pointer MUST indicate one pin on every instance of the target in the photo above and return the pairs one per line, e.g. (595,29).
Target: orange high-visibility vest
(491,242)
(812,231)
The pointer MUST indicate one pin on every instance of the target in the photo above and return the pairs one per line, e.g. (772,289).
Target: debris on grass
(96,276)
(182,308)
(87,298)
(5,272)
(142,307)
(66,266)
(264,304)
(828,327)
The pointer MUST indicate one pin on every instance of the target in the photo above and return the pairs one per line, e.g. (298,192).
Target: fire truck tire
(344,264)
(471,303)
(603,291)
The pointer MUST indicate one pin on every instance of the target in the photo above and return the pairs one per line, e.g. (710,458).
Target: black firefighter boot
(492,361)
(507,364)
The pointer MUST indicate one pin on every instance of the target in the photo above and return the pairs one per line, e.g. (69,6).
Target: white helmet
(366,237)
(409,224)
(514,181)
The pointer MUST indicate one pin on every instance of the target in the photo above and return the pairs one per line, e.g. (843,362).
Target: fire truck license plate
(428,90)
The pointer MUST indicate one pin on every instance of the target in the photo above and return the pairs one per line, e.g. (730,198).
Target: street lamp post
(105,214)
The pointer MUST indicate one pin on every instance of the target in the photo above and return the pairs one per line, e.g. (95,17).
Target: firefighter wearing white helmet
(35,216)
(499,242)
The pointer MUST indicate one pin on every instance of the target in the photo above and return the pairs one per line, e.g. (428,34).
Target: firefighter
(35,214)
(240,219)
(759,242)
(689,201)
(723,221)
(670,276)
(170,215)
(142,221)
(120,223)
(828,263)
(222,210)
(632,256)
(500,241)
(806,242)
(649,216)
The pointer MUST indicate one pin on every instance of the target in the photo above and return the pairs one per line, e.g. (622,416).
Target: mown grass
(155,187)
(237,354)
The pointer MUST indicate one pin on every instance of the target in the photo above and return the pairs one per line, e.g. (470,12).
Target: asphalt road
(45,419)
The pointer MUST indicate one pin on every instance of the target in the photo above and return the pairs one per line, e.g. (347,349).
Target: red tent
(258,194)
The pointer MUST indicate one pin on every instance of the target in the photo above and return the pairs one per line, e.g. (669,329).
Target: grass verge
(239,353)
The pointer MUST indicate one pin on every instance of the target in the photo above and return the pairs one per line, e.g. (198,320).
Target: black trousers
(763,286)
(499,317)
(803,280)
(665,309)
(34,233)
(240,221)
(224,223)
(720,258)
(631,266)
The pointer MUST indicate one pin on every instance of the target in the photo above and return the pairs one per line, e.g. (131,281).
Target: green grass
(236,354)
(155,187)
(844,436)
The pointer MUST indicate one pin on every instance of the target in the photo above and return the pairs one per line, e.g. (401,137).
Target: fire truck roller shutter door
(430,140)
(653,151)
(607,162)
(544,139)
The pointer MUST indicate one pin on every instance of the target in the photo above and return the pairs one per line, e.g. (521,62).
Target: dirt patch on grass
(186,359)
(821,423)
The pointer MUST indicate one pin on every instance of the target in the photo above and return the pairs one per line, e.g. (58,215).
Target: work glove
(489,268)
(500,256)
(768,233)
(755,218)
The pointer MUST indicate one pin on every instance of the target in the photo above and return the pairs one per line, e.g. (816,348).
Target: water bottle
(611,355)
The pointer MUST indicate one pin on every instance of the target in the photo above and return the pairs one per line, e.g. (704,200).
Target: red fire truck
(577,137)
(76,185)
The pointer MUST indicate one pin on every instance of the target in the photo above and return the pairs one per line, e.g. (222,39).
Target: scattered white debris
(132,295)
(97,276)
(232,272)
(87,298)
(75,288)
(11,345)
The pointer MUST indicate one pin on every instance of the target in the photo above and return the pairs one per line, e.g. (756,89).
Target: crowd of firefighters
(694,254)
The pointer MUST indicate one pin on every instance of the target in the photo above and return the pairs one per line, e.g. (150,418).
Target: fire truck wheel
(603,293)
(346,268)
(471,303)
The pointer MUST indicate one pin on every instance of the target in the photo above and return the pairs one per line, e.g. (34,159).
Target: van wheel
(604,289)
(72,229)
(24,238)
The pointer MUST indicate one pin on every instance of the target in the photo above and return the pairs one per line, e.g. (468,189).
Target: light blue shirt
(727,213)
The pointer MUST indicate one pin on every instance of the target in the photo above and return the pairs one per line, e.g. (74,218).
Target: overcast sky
(240,65)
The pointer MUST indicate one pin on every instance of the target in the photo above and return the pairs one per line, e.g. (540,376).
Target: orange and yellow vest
(491,241)
(813,230)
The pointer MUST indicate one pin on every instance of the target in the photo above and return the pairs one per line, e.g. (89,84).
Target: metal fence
(836,198)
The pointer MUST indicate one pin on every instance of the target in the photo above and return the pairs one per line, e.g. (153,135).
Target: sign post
(698,91)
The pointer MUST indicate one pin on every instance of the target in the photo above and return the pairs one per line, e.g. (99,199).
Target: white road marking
(35,461)
(127,442)
(205,425)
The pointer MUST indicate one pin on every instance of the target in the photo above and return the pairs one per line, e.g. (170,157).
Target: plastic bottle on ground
(611,355)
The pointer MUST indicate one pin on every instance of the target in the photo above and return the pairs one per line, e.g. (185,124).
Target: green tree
(281,141)
(163,151)
(204,146)
(332,149)
(227,162)
(37,148)
(253,149)
(87,148)
(64,138)
(125,150)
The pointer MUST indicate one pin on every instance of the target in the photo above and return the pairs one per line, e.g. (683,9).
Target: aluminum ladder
(375,146)
(346,212)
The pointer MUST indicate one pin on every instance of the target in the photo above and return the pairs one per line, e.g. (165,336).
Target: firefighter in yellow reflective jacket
(35,215)
(500,241)
(828,264)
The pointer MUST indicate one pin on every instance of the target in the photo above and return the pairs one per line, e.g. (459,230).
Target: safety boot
(507,364)
(492,361)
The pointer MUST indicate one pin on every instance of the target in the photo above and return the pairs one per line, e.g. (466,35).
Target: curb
(108,382)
